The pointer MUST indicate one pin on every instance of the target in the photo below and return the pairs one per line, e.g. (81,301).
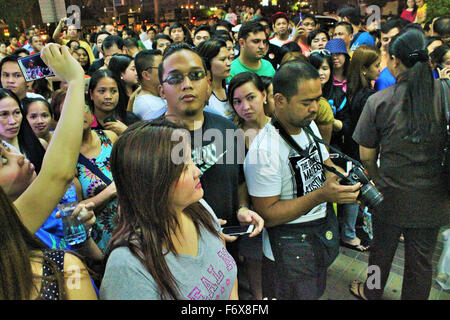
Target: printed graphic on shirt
(214,282)
(207,156)
(309,175)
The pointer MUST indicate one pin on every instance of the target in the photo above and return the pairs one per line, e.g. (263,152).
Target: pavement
(352,265)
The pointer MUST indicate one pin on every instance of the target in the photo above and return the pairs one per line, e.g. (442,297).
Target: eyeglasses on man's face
(178,78)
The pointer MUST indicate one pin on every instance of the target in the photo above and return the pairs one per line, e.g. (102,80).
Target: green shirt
(266,69)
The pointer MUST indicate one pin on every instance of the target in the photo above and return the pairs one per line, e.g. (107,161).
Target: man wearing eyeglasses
(148,105)
(183,83)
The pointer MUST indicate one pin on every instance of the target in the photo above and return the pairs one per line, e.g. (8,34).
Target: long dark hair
(317,58)
(209,49)
(117,65)
(363,57)
(29,144)
(121,107)
(17,248)
(146,221)
(410,48)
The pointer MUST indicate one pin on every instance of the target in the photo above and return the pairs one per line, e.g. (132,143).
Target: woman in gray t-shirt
(167,243)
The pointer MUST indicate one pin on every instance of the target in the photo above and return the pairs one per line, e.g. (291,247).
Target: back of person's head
(292,47)
(118,64)
(112,40)
(363,57)
(57,100)
(264,19)
(144,152)
(221,23)
(438,55)
(29,144)
(20,52)
(442,26)
(222,34)
(250,27)
(144,60)
(174,48)
(289,75)
(409,47)
(131,43)
(352,14)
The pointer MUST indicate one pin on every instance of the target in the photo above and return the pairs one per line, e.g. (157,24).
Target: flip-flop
(359,293)
(361,247)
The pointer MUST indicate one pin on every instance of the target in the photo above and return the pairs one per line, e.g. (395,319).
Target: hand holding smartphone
(34,68)
(238,230)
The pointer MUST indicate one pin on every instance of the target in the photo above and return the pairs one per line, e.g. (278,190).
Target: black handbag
(321,236)
(446,156)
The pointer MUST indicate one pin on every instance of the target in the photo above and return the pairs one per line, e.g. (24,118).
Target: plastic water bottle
(74,232)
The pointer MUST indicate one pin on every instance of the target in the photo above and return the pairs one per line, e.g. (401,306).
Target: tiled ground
(351,265)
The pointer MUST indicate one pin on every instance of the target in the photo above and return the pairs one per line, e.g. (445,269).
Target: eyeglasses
(151,68)
(179,78)
(322,52)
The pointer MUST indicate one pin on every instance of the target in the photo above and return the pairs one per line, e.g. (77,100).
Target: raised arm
(58,168)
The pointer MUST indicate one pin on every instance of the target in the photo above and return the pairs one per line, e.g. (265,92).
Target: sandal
(359,292)
(361,247)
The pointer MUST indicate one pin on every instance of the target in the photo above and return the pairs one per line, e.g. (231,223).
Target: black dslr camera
(369,194)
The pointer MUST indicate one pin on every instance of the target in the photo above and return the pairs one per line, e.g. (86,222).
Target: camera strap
(294,145)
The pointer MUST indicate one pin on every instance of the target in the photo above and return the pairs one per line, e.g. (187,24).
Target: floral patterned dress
(93,185)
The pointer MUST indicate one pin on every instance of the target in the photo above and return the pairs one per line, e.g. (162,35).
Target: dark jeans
(419,247)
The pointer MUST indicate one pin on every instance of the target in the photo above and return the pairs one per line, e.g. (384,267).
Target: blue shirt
(51,233)
(386,79)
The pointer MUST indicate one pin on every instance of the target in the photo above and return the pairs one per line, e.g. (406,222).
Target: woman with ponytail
(406,123)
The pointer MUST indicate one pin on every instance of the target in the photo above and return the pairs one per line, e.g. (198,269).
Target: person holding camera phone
(22,187)
(406,122)
(291,191)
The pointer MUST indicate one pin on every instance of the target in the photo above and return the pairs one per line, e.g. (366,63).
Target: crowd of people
(135,127)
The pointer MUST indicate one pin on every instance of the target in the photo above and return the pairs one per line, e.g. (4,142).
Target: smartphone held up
(34,68)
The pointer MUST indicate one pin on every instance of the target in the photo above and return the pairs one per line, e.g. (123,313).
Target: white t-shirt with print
(273,168)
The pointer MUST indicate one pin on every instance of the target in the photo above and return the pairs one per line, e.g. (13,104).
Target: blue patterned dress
(93,185)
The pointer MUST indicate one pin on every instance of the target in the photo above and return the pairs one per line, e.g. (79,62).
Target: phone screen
(237,230)
(33,68)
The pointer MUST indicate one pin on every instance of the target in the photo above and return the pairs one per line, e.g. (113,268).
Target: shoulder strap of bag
(93,168)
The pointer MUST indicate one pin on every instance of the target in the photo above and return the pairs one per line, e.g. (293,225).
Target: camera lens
(370,195)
